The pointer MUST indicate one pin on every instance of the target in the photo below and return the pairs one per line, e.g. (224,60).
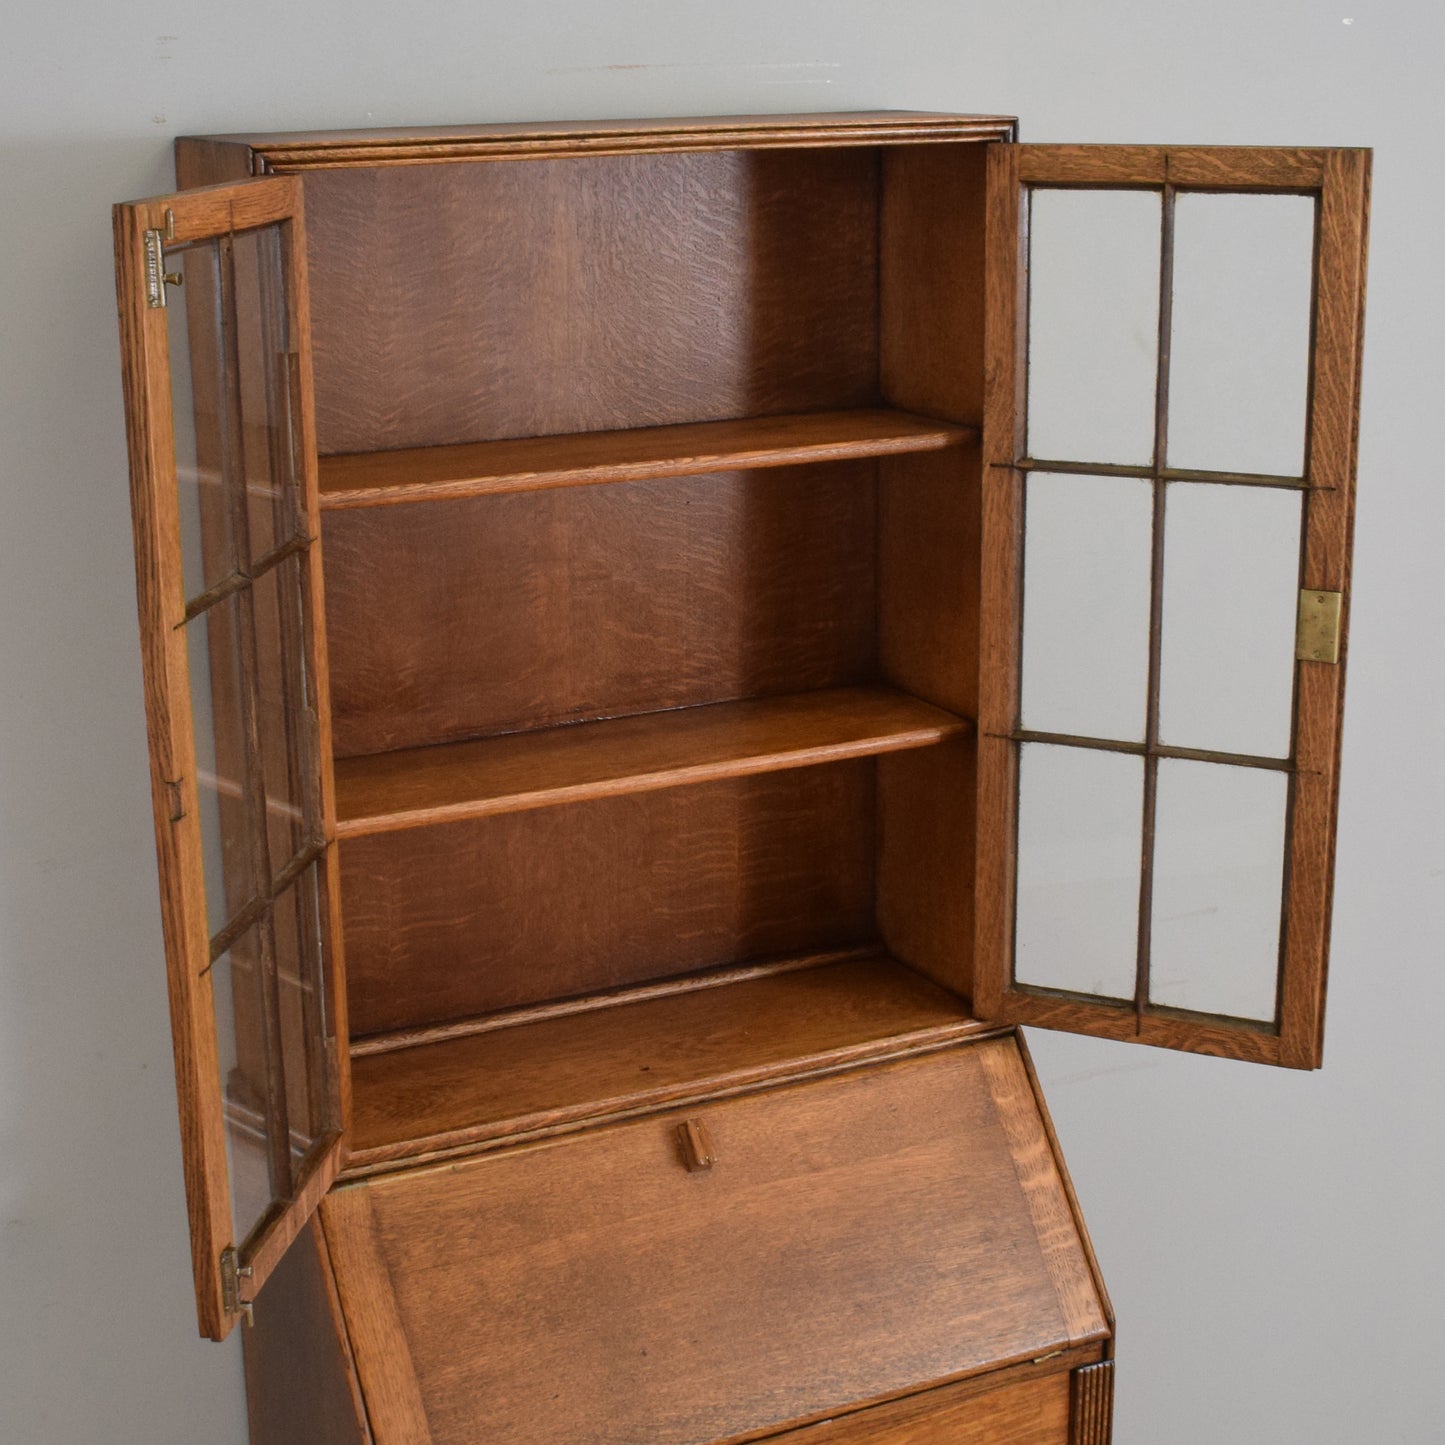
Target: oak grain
(591,294)
(590,458)
(919,1263)
(410,145)
(463,919)
(589,1065)
(459,619)
(422,786)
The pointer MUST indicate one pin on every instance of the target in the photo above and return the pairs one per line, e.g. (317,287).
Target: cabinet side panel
(929,524)
(931,279)
(929,552)
(925,861)
(462,302)
(300,1379)
(453,921)
(202,162)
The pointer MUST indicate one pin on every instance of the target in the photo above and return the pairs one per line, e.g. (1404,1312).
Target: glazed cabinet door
(1173,342)
(212,293)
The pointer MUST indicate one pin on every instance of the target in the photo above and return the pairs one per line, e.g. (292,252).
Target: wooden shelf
(702,1038)
(416,787)
(370,479)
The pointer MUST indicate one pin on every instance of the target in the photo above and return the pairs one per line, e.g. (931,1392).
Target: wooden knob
(697,1151)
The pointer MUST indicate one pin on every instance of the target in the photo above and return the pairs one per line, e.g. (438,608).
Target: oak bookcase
(592,908)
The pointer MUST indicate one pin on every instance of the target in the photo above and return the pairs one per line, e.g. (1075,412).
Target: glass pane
(1239,355)
(1231,592)
(1080,822)
(1087,544)
(240,1039)
(283,719)
(1093,324)
(1219,841)
(272,494)
(218,719)
(303,1016)
(199,410)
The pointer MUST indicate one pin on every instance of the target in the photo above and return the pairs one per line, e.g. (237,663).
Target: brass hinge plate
(155,270)
(1317,633)
(157,277)
(232,1273)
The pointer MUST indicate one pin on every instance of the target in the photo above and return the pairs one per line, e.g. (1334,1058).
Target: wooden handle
(697,1151)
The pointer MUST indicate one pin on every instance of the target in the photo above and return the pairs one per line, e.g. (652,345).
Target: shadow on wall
(92,1209)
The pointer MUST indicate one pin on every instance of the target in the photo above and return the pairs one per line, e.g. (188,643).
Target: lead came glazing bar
(1156,600)
(268,1025)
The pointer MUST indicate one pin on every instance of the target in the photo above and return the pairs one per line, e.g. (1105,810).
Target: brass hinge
(1317,633)
(175,802)
(232,1273)
(157,277)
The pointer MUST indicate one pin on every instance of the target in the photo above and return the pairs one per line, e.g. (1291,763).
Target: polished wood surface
(1012,1412)
(588,458)
(508,141)
(1333,450)
(465,918)
(1069,1262)
(1000,581)
(928,627)
(394,1405)
(924,898)
(301,1380)
(707,1314)
(452,620)
(606,1061)
(929,545)
(627,993)
(1233,168)
(591,295)
(423,786)
(932,269)
(1090,1258)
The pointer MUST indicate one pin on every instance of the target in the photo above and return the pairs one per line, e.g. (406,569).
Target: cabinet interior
(651,516)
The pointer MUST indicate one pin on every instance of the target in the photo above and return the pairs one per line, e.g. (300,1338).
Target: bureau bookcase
(617,788)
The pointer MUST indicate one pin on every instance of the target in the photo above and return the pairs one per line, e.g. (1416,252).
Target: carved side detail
(1091,1405)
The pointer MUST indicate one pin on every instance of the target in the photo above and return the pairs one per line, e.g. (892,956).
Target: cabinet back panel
(462,302)
(449,922)
(456,619)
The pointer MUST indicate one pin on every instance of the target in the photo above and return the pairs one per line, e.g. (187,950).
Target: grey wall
(1271,1239)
